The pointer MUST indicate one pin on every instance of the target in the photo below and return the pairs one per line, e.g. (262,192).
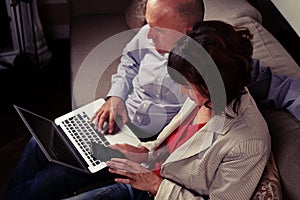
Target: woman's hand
(138,176)
(137,154)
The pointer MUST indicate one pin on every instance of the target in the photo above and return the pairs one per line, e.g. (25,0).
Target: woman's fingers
(126,165)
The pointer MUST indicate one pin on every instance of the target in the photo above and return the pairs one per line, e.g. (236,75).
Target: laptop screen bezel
(61,135)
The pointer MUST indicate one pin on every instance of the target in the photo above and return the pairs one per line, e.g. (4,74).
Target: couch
(100,29)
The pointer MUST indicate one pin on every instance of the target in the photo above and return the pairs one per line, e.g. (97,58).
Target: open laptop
(68,139)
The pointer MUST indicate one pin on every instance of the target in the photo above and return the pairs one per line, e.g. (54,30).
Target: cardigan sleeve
(236,176)
(171,190)
(240,171)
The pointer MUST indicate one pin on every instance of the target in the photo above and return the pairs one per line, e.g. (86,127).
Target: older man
(142,92)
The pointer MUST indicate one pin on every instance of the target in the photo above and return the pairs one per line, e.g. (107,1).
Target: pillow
(230,10)
(135,14)
(267,49)
(269,185)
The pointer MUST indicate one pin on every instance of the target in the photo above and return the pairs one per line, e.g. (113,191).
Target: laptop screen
(49,139)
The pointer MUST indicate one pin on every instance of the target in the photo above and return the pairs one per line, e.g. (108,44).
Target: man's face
(164,31)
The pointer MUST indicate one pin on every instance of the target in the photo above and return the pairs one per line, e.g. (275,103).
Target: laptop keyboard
(84,133)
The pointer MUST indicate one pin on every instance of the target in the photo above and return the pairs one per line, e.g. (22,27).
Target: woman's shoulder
(249,124)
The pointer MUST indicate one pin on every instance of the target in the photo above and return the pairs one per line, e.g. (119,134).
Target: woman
(217,146)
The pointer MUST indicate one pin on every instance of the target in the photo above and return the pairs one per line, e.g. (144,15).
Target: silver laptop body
(67,140)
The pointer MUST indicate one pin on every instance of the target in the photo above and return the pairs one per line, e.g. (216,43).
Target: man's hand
(112,108)
(138,176)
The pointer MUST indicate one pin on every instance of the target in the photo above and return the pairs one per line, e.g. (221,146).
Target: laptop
(69,138)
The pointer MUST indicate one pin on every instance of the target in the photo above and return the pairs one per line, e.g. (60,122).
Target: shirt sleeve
(129,66)
(122,80)
(275,90)
(171,190)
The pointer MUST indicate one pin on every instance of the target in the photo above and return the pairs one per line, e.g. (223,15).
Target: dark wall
(5,39)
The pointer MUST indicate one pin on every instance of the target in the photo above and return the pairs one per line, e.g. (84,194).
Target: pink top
(178,137)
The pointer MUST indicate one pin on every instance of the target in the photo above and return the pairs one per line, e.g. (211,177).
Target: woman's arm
(137,175)
(240,171)
(138,154)
(236,175)
(143,179)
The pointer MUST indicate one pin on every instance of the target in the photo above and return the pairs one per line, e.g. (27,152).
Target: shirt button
(157,96)
(144,105)
(139,119)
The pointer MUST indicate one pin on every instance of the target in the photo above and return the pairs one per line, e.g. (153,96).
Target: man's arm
(275,90)
(121,84)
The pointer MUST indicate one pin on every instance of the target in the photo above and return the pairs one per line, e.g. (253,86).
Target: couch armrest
(97,42)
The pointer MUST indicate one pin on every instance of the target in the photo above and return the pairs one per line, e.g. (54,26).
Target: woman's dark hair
(231,51)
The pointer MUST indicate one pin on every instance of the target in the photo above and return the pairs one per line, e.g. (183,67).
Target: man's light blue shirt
(152,98)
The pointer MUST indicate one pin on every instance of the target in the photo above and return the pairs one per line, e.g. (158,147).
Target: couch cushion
(135,13)
(285,130)
(229,10)
(87,32)
(267,49)
(92,7)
